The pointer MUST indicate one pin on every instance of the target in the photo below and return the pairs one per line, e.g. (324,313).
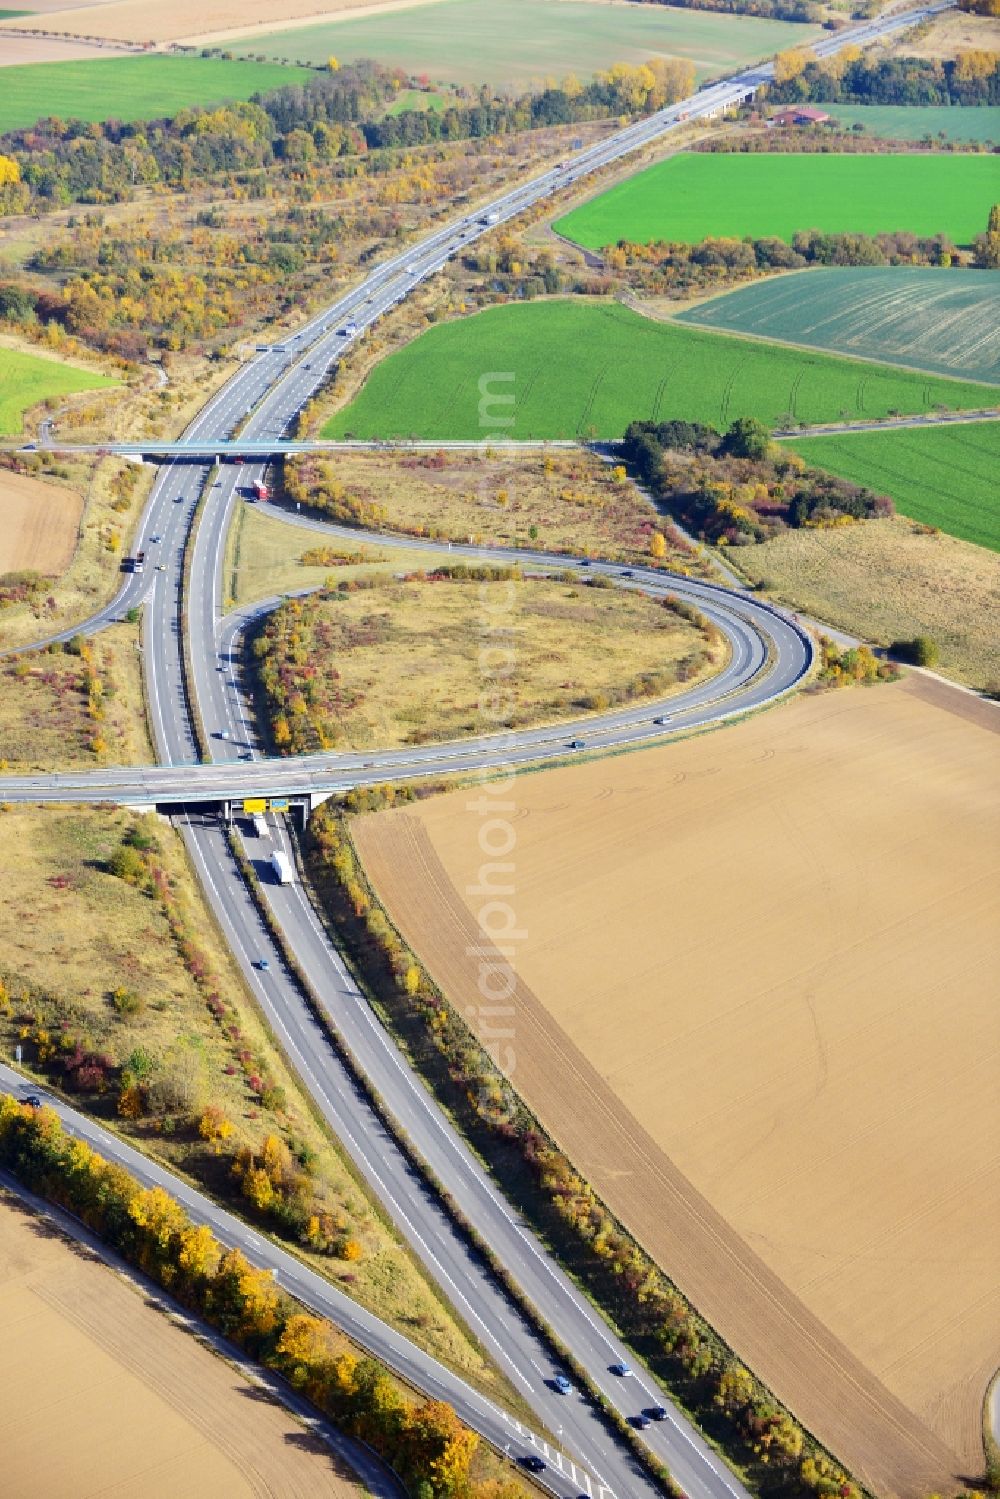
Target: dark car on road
(532,1464)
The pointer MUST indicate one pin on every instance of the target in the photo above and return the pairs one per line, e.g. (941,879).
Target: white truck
(260,826)
(281,867)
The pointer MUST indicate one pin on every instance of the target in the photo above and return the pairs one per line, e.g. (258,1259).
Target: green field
(415,98)
(696,194)
(128,88)
(944,476)
(25,380)
(913,122)
(589,368)
(522,42)
(947,321)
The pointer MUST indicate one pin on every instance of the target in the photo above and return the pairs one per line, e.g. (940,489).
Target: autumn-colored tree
(789,64)
(439,1444)
(10,171)
(657,546)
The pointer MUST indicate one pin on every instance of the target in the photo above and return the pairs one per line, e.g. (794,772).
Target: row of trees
(807,11)
(425,1442)
(757,1432)
(739,487)
(58,162)
(972,77)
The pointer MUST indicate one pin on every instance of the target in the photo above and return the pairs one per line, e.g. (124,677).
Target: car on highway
(531,1463)
(32,1100)
(622,1370)
(222,734)
(161,567)
(663,718)
(627,572)
(656,1412)
(639,1422)
(157,537)
(178,499)
(561,1383)
(575,744)
(262,964)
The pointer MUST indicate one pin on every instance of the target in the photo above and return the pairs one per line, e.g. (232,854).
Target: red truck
(261,491)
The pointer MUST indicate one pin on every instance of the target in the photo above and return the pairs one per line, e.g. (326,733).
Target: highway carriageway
(770,654)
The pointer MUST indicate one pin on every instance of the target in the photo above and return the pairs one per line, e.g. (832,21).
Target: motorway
(769,654)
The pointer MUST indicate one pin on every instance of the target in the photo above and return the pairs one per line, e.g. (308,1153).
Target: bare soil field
(20,49)
(757,1008)
(39,524)
(890,580)
(182,20)
(111,1396)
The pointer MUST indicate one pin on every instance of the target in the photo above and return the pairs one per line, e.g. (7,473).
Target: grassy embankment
(120,985)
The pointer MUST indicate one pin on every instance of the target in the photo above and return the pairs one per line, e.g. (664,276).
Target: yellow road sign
(254,804)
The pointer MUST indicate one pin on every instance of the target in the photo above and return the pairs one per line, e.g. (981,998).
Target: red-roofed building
(800,116)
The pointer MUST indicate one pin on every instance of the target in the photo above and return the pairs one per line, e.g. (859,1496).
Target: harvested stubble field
(141,88)
(521,43)
(930,319)
(756,1007)
(588,368)
(26,379)
(571,503)
(696,194)
(411,662)
(886,580)
(112,1396)
(76,933)
(941,476)
(40,523)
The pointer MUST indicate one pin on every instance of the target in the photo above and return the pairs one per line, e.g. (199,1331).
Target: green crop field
(521,42)
(129,88)
(947,321)
(913,122)
(696,194)
(941,476)
(26,379)
(582,369)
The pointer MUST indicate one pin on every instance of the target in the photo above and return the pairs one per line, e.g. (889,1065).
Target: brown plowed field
(757,1007)
(38,525)
(111,1398)
(146,21)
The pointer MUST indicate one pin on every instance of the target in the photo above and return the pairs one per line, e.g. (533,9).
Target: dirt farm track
(760,968)
(110,1398)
